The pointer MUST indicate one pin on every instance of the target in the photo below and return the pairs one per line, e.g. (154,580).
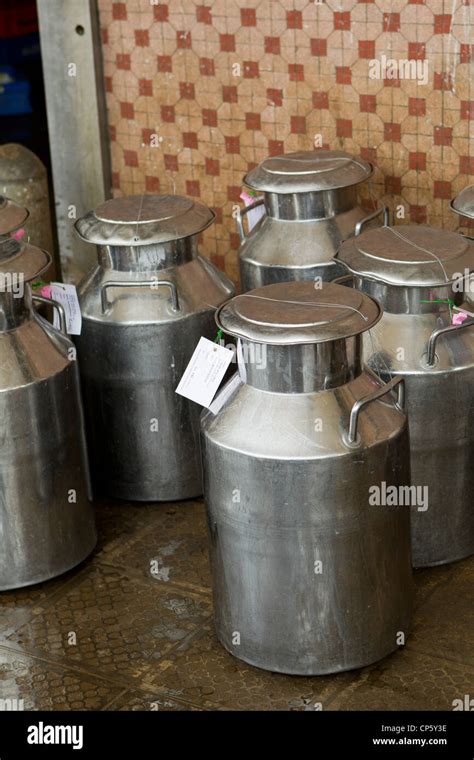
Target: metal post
(77,123)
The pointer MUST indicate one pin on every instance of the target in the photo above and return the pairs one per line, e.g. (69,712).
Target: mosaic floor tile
(172,548)
(140,701)
(118,521)
(112,624)
(428,579)
(20,605)
(407,681)
(445,624)
(27,683)
(202,672)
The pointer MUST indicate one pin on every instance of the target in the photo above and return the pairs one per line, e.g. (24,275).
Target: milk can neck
(404,299)
(322,204)
(148,258)
(302,368)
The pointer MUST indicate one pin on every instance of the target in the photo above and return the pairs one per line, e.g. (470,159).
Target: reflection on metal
(23,179)
(309,576)
(46,519)
(418,274)
(311,206)
(75,100)
(144,308)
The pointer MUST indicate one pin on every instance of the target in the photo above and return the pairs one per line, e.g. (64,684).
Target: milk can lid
(12,215)
(20,260)
(144,220)
(463,204)
(308,171)
(411,255)
(291,313)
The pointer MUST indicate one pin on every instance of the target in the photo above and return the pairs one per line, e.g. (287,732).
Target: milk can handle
(139,284)
(436,334)
(397,382)
(241,213)
(56,305)
(386,219)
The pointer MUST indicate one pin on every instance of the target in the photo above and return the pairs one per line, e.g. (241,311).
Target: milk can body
(144,308)
(46,519)
(308,576)
(311,205)
(418,274)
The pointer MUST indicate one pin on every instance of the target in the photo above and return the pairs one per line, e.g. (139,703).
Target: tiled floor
(131,629)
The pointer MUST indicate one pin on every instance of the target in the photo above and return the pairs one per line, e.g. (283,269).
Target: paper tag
(227,391)
(241,362)
(204,372)
(255,214)
(66,295)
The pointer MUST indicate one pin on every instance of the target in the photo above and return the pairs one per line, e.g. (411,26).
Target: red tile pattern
(199,92)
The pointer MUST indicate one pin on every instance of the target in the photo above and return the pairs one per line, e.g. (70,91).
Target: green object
(443,300)
(39,284)
(218,336)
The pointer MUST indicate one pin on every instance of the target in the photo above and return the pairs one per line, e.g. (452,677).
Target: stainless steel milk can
(310,573)
(24,178)
(310,203)
(144,308)
(46,519)
(418,274)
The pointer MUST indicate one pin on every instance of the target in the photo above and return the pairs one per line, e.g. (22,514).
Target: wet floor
(131,629)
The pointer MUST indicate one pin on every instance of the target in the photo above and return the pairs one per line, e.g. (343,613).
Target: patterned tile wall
(200,91)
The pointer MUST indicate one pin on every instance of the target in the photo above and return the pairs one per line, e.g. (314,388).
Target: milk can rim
(187,223)
(319,180)
(405,273)
(327,332)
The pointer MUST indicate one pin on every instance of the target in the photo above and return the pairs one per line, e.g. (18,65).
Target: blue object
(21,50)
(14,93)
